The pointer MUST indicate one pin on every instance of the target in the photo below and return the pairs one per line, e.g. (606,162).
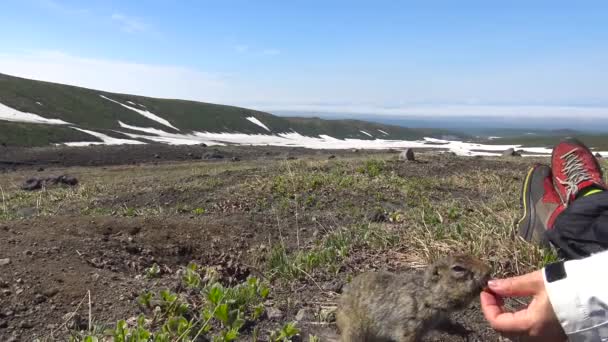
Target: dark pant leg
(582,229)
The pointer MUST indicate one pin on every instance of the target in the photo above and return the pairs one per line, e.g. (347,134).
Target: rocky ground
(76,259)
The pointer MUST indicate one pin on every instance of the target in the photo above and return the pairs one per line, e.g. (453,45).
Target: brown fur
(383,306)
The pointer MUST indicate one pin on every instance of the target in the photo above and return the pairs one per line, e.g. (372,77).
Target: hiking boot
(540,204)
(574,169)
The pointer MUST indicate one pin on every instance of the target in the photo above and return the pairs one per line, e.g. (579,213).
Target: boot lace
(575,172)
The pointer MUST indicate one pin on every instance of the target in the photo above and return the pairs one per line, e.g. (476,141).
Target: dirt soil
(134,208)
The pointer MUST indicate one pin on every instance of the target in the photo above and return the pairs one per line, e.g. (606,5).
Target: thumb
(525,285)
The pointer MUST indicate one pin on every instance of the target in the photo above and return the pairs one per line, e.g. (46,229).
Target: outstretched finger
(525,285)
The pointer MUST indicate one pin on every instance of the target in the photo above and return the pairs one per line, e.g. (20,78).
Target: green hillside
(101,111)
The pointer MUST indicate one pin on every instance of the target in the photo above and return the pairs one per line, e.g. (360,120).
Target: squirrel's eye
(458,269)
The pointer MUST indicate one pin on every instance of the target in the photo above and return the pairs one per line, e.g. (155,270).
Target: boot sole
(525,224)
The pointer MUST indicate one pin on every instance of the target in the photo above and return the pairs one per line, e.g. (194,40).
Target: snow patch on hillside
(294,139)
(383,132)
(364,132)
(145,113)
(258,122)
(10,114)
(164,137)
(106,140)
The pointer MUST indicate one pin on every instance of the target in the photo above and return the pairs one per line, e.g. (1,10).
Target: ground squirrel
(383,306)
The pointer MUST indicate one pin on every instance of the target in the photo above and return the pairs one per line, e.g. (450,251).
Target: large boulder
(511,153)
(408,154)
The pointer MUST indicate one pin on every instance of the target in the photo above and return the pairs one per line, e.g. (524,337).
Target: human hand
(537,322)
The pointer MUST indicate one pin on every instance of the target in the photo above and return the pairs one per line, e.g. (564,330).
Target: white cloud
(241,48)
(244,48)
(522,111)
(129,24)
(62,8)
(271,52)
(166,81)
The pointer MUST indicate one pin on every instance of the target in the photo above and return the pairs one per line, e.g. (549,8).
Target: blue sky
(362,56)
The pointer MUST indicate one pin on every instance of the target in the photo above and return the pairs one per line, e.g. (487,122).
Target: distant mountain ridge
(38,113)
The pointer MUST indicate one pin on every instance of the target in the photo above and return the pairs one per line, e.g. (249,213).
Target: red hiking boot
(540,204)
(574,168)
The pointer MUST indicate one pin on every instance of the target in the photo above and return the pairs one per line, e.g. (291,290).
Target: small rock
(50,292)
(40,169)
(75,322)
(331,157)
(32,184)
(328,314)
(235,159)
(27,252)
(67,180)
(408,154)
(305,314)
(39,299)
(3,324)
(377,215)
(26,325)
(274,313)
(598,155)
(5,261)
(291,158)
(27,212)
(156,156)
(334,286)
(134,230)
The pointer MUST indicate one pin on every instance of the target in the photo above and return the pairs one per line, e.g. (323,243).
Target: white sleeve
(580,300)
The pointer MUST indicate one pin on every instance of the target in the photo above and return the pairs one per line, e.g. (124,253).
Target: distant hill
(37,113)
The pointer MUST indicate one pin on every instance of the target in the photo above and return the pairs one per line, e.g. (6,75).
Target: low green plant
(211,311)
(129,212)
(329,253)
(199,211)
(153,271)
(313,338)
(372,167)
(286,333)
